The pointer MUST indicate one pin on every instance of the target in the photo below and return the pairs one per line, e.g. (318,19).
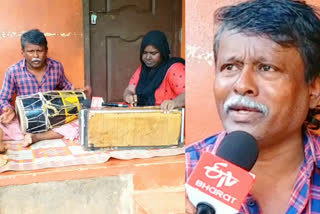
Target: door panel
(142,5)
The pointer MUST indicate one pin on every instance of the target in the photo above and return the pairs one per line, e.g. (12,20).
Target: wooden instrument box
(123,128)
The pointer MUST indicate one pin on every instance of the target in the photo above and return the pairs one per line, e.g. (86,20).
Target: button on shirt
(305,198)
(20,81)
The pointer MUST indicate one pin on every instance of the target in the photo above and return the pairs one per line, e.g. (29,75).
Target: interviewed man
(267,66)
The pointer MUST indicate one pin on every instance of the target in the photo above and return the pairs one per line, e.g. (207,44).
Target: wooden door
(112,45)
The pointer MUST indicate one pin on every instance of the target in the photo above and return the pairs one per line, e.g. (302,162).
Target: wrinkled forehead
(239,45)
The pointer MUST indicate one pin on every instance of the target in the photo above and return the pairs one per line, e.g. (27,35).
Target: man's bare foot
(3,160)
(3,148)
(28,140)
(33,138)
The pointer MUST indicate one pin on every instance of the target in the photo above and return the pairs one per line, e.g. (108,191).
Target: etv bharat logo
(225,178)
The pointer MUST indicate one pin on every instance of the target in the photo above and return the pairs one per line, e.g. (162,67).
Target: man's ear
(314,93)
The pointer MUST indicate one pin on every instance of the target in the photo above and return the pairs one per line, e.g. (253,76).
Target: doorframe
(86,38)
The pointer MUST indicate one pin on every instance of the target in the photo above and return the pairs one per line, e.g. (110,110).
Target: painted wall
(202,119)
(60,20)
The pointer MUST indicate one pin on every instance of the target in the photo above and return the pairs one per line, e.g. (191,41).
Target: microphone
(220,183)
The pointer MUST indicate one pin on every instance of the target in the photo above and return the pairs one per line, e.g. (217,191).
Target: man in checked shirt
(35,73)
(267,67)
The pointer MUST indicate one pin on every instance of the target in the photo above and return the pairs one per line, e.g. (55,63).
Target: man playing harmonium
(35,73)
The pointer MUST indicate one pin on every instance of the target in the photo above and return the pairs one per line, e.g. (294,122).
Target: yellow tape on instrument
(70,99)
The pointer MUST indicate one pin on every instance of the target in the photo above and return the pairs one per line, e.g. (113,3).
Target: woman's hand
(132,99)
(129,95)
(168,105)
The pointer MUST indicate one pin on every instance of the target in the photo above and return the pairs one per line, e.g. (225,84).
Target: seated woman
(160,80)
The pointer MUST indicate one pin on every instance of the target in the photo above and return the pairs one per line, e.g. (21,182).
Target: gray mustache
(246,102)
(36,60)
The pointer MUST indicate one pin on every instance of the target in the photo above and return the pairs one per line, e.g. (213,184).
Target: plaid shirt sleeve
(64,83)
(8,89)
(192,156)
(194,151)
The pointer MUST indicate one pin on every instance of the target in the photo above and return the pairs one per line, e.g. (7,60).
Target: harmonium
(125,128)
